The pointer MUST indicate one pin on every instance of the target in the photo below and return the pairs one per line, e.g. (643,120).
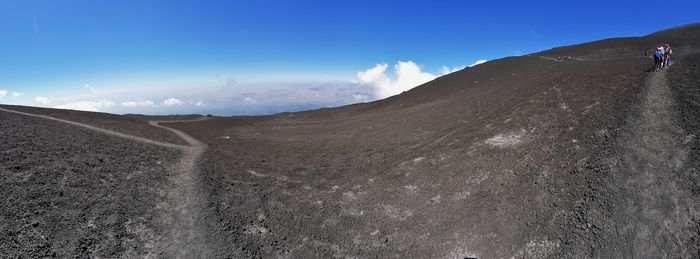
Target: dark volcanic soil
(684,80)
(519,157)
(72,192)
(517,165)
(523,157)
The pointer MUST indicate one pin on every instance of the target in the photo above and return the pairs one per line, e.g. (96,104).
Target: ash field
(533,156)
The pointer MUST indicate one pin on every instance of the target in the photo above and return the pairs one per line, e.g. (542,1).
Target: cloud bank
(407,75)
(146,103)
(91,106)
(172,101)
(446,70)
(226,96)
(478,62)
(4,93)
(41,100)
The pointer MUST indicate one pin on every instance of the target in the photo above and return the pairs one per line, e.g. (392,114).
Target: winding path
(185,239)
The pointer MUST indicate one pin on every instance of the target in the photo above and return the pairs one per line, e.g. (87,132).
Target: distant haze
(253,57)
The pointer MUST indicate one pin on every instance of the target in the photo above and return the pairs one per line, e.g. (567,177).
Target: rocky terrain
(73,192)
(592,155)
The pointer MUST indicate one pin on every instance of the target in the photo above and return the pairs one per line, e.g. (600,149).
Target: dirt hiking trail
(185,239)
(101,130)
(657,210)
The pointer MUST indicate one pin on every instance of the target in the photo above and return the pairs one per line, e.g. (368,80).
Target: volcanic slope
(117,206)
(529,156)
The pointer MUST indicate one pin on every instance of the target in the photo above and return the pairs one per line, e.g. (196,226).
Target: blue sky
(257,57)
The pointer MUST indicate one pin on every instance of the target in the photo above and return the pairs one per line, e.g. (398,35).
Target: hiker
(663,56)
(657,58)
(649,52)
(667,54)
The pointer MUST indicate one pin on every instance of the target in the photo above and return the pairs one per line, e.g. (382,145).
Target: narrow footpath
(187,240)
(656,209)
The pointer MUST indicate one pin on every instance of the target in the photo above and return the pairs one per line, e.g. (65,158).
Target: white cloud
(3,93)
(91,89)
(446,70)
(199,103)
(146,103)
(360,97)
(92,106)
(17,94)
(250,100)
(408,75)
(172,102)
(478,62)
(41,100)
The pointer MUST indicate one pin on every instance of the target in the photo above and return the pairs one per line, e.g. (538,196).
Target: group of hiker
(662,56)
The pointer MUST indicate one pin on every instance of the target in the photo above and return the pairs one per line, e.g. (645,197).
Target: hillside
(528,156)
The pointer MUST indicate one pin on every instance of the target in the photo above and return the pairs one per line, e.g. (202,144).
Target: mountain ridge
(576,151)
